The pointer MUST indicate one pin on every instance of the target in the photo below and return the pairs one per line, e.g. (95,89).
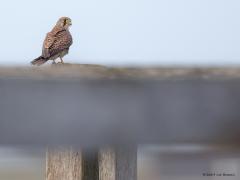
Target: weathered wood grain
(63,164)
(108,72)
(107,164)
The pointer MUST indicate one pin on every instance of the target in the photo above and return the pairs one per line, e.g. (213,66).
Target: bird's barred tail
(39,61)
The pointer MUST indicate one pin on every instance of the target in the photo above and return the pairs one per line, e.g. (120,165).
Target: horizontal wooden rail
(95,105)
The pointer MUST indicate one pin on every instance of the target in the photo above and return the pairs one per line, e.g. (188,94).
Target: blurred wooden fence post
(63,164)
(118,163)
(106,164)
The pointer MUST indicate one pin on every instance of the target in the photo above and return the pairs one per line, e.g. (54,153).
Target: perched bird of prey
(57,42)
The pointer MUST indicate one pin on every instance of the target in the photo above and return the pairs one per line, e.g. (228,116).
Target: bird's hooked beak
(69,22)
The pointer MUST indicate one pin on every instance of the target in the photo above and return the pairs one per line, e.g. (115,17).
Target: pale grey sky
(126,31)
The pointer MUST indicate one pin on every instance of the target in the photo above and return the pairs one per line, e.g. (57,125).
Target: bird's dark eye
(64,22)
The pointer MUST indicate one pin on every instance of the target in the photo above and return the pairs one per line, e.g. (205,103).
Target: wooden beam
(92,106)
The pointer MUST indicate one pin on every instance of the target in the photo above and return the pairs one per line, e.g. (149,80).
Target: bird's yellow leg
(61,60)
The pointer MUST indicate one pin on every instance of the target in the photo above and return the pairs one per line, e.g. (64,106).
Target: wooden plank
(104,105)
(101,112)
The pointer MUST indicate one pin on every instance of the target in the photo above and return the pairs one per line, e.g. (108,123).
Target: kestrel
(57,42)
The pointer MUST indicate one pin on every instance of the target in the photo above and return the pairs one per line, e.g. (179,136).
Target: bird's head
(65,22)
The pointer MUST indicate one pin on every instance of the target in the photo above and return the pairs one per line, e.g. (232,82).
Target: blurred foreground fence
(88,106)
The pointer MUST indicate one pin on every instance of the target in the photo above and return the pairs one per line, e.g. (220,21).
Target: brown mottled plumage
(57,42)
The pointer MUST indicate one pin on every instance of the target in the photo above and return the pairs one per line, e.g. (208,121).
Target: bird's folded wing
(48,42)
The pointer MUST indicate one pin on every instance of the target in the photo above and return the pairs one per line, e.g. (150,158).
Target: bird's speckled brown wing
(56,41)
(48,42)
